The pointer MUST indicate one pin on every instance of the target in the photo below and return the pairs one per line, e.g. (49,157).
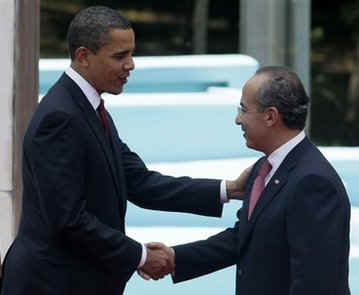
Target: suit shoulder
(314,168)
(313,162)
(56,106)
(50,116)
(57,98)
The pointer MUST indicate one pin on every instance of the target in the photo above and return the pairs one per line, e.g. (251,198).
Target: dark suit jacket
(297,240)
(72,238)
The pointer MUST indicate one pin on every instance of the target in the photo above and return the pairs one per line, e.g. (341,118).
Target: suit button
(240,272)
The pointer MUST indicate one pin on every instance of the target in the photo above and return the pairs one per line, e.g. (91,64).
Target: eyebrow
(124,52)
(120,52)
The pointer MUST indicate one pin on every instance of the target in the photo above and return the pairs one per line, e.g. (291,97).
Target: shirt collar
(89,91)
(276,158)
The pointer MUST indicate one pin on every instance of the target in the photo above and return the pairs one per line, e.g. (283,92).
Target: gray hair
(90,28)
(283,90)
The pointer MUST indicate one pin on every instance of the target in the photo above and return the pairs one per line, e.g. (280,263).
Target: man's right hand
(159,262)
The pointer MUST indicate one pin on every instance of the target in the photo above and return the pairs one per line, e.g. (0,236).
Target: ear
(271,116)
(82,56)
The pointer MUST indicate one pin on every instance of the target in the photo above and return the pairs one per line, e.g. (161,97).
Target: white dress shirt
(90,92)
(276,158)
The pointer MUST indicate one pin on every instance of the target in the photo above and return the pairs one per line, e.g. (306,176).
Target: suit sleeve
(199,258)
(58,166)
(152,190)
(317,226)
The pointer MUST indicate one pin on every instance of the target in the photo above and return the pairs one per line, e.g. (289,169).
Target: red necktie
(102,113)
(258,185)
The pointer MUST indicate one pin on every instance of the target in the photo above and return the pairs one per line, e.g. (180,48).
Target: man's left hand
(235,188)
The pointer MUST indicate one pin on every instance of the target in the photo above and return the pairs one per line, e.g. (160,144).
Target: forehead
(249,92)
(120,40)
(250,89)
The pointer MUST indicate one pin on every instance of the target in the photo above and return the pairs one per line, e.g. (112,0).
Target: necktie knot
(102,114)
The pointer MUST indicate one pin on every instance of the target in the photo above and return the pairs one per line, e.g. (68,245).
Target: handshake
(159,263)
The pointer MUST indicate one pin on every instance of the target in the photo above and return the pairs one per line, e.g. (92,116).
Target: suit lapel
(116,149)
(272,189)
(244,211)
(92,120)
(244,224)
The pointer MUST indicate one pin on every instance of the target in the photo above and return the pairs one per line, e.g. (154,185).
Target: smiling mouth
(123,80)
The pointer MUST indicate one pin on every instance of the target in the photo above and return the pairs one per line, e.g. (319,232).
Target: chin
(115,91)
(251,146)
(248,143)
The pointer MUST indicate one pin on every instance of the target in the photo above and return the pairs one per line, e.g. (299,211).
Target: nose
(238,119)
(130,64)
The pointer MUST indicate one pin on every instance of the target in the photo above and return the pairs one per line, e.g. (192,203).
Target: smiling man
(292,236)
(78,176)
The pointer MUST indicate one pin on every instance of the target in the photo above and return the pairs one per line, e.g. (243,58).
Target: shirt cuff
(143,256)
(224,197)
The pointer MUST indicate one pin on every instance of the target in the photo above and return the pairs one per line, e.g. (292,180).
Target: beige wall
(7,26)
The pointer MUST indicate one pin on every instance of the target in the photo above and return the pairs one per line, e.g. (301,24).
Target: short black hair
(90,28)
(283,90)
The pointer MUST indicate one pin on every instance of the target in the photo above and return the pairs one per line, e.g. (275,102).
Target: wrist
(230,188)
(234,191)
(143,258)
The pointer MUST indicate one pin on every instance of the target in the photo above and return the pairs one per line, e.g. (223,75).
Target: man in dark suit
(78,176)
(292,236)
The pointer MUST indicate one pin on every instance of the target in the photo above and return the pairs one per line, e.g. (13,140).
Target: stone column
(263,30)
(19,29)
(299,43)
(277,32)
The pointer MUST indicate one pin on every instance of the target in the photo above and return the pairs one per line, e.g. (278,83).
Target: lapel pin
(276,181)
